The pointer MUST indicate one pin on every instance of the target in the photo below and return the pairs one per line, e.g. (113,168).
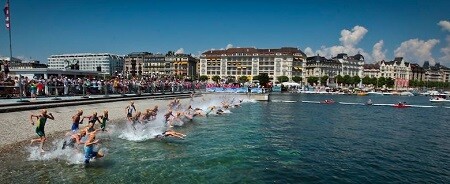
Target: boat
(439,98)
(406,93)
(400,105)
(362,93)
(327,102)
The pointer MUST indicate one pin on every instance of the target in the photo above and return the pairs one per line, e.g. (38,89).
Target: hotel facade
(233,63)
(104,63)
(148,64)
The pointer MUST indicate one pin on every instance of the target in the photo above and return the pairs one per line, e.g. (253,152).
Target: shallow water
(274,141)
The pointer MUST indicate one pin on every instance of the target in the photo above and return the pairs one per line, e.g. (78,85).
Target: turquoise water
(266,142)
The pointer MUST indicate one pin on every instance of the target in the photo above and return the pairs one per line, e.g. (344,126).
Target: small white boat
(439,98)
(406,93)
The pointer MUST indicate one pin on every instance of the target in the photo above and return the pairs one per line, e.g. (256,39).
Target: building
(318,66)
(104,63)
(233,63)
(146,63)
(371,70)
(351,65)
(184,65)
(417,72)
(436,73)
(27,65)
(47,73)
(398,69)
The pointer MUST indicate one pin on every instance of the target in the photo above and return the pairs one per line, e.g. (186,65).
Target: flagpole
(9,30)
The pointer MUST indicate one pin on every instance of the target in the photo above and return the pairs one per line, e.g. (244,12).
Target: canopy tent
(289,84)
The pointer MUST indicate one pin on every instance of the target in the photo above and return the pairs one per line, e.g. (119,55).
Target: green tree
(297,79)
(282,78)
(256,77)
(339,79)
(312,80)
(381,81)
(356,79)
(347,80)
(263,79)
(366,80)
(374,81)
(323,80)
(216,78)
(390,82)
(203,78)
(243,79)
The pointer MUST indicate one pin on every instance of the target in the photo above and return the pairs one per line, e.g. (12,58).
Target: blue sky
(406,27)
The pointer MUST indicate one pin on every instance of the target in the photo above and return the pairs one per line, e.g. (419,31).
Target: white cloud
(180,51)
(378,53)
(417,51)
(229,46)
(445,25)
(446,52)
(309,52)
(349,39)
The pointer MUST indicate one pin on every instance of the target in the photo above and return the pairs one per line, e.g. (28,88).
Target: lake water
(283,141)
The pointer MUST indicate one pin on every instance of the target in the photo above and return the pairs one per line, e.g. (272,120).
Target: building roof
(251,51)
(372,66)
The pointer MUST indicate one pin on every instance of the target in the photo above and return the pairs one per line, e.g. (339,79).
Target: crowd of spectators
(65,86)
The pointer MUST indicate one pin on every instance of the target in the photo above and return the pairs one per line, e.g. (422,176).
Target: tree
(356,79)
(339,79)
(282,78)
(297,79)
(381,81)
(256,77)
(312,80)
(203,78)
(374,81)
(366,80)
(263,79)
(243,79)
(323,80)
(347,79)
(216,78)
(390,82)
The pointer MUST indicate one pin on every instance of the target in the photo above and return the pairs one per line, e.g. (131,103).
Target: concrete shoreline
(17,126)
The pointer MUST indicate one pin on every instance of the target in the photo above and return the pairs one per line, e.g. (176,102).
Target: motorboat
(327,102)
(439,98)
(406,93)
(400,105)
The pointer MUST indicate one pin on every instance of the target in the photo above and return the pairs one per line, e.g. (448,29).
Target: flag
(6,11)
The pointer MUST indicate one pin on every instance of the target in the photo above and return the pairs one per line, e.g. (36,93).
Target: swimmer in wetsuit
(75,138)
(93,118)
(130,109)
(104,119)
(89,152)
(42,119)
(171,133)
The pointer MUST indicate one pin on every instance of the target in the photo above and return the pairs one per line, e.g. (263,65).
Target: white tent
(289,84)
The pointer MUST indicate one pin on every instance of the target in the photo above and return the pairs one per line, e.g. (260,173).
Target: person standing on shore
(42,119)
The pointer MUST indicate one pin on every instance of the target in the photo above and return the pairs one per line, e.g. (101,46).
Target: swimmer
(154,112)
(93,118)
(171,133)
(130,109)
(76,121)
(210,109)
(89,152)
(104,119)
(42,119)
(75,138)
(167,117)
